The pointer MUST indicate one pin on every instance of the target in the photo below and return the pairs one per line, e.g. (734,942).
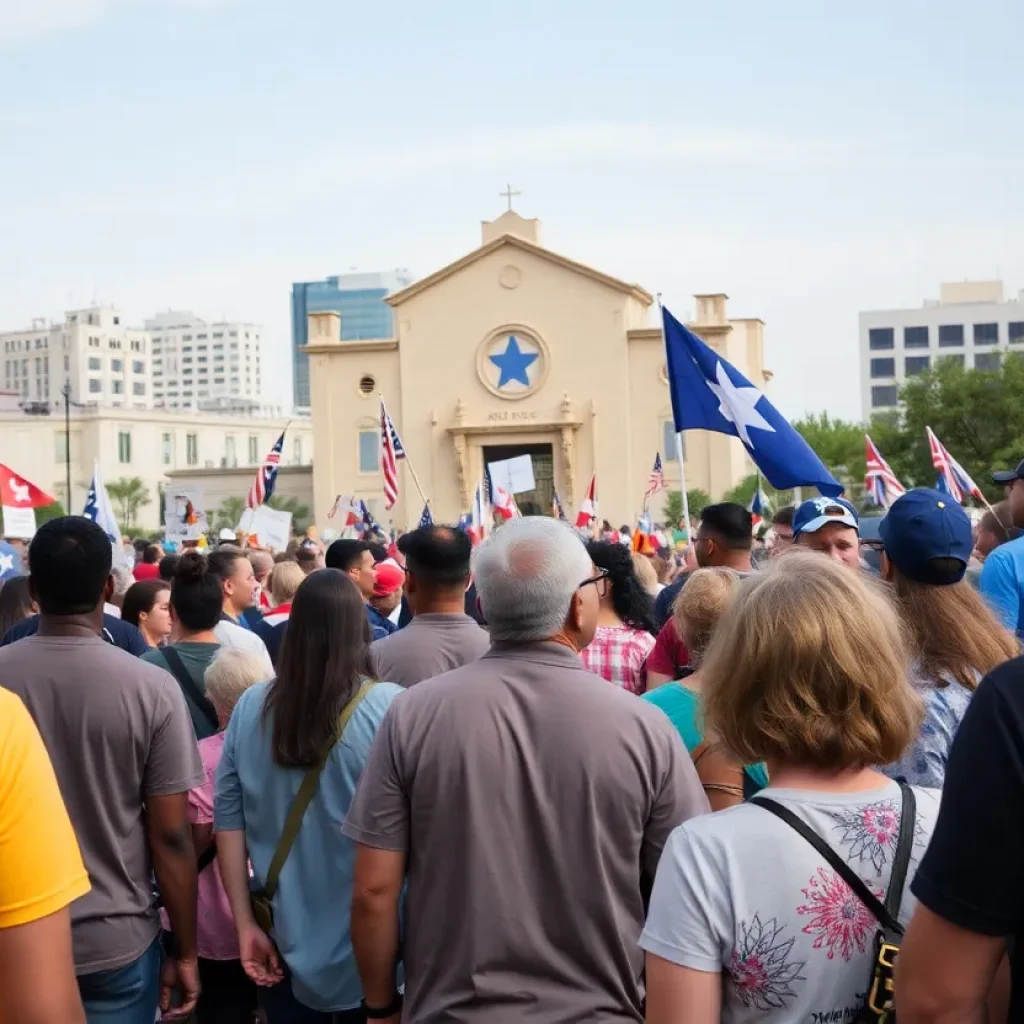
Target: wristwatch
(382,1013)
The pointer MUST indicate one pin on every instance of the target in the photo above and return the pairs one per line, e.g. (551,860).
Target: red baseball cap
(388,578)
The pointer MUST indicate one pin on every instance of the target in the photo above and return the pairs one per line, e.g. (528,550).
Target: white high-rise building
(202,365)
(104,362)
(969,322)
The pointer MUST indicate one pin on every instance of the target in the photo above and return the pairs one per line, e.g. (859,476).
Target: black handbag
(878,1006)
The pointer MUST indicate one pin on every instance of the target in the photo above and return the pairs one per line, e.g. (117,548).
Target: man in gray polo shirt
(441,635)
(525,797)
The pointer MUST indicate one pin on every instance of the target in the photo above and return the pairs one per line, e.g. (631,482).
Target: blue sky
(809,160)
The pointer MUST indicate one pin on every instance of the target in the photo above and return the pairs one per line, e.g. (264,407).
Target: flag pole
(679,439)
(407,460)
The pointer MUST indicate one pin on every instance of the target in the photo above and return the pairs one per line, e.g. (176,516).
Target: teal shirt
(682,706)
(196,658)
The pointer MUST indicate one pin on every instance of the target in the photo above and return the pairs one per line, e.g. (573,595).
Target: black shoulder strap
(885,914)
(207,857)
(180,672)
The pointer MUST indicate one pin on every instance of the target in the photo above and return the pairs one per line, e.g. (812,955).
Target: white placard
(514,475)
(271,527)
(185,513)
(19,522)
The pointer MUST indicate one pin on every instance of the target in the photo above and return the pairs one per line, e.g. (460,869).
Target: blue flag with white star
(708,393)
(10,561)
(426,519)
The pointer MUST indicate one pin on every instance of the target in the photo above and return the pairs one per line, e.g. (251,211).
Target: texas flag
(587,512)
(18,498)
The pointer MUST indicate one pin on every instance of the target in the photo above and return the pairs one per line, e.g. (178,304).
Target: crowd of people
(551,779)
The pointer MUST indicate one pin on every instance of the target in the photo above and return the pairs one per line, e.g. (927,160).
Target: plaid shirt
(618,653)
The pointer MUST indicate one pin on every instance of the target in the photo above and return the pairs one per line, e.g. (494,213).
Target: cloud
(24,20)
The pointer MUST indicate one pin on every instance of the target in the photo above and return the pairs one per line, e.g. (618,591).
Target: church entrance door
(540,500)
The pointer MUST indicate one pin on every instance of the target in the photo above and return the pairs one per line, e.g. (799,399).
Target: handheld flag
(391,451)
(757,506)
(502,501)
(10,561)
(656,481)
(98,507)
(266,476)
(588,507)
(479,517)
(708,393)
(557,508)
(953,478)
(879,480)
(426,519)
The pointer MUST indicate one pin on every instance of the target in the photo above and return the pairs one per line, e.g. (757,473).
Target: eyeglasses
(600,581)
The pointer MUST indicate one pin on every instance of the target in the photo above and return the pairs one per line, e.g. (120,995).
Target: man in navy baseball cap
(927,536)
(829,525)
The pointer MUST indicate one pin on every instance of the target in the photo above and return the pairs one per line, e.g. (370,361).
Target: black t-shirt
(973,872)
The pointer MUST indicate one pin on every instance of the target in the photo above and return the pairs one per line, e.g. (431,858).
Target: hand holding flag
(708,393)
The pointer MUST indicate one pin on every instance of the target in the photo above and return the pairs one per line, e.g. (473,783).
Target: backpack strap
(180,672)
(904,846)
(878,909)
(307,789)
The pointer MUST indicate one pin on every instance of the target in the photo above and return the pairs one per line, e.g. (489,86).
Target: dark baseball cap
(1007,476)
(922,526)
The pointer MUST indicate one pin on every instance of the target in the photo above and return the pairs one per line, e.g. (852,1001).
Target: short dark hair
(141,597)
(437,555)
(731,524)
(345,554)
(197,594)
(69,565)
(379,551)
(784,516)
(152,554)
(222,560)
(168,567)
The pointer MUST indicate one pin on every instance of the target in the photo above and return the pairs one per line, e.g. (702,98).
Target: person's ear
(575,616)
(885,567)
(108,589)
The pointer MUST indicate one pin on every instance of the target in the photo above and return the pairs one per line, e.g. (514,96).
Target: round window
(367,385)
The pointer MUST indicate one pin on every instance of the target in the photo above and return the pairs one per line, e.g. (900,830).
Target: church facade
(516,350)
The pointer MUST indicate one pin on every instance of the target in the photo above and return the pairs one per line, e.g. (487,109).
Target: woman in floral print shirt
(808,671)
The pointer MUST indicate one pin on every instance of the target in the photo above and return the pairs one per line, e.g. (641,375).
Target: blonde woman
(643,566)
(707,596)
(926,547)
(808,672)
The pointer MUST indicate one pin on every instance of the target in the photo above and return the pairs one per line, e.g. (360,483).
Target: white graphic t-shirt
(741,894)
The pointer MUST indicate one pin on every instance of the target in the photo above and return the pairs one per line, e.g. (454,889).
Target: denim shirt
(313,901)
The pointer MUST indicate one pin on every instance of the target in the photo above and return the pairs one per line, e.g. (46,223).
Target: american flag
(879,480)
(266,476)
(656,481)
(557,508)
(953,478)
(391,451)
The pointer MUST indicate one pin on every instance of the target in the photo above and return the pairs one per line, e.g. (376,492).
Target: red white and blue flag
(757,506)
(503,502)
(879,479)
(953,478)
(266,476)
(479,518)
(656,481)
(391,451)
(587,511)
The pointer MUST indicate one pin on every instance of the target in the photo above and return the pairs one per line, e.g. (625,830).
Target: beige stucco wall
(600,398)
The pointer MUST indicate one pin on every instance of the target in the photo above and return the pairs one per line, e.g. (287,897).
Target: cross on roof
(509,195)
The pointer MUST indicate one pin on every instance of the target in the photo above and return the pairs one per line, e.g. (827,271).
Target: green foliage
(839,444)
(743,493)
(977,414)
(128,495)
(672,510)
(229,513)
(48,512)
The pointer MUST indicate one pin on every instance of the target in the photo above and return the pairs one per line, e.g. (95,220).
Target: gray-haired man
(524,795)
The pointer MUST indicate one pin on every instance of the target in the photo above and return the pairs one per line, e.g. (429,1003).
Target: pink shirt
(618,653)
(217,938)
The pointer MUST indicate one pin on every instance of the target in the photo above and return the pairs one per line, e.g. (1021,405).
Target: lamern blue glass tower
(357,298)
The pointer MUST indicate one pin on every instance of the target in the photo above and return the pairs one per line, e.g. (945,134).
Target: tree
(128,494)
(839,444)
(48,512)
(673,509)
(977,414)
(229,513)
(743,493)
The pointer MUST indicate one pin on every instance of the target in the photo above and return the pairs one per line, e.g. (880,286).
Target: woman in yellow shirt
(41,874)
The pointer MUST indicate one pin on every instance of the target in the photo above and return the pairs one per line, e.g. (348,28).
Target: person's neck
(850,780)
(607,616)
(231,612)
(440,606)
(691,682)
(89,624)
(738,562)
(152,639)
(199,636)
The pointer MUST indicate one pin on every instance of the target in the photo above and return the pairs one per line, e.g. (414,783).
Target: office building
(970,322)
(103,361)
(199,364)
(357,298)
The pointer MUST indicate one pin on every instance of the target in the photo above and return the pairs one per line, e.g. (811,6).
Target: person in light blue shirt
(278,731)
(1002,576)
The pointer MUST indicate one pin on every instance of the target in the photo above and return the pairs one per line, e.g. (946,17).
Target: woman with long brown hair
(305,734)
(956,639)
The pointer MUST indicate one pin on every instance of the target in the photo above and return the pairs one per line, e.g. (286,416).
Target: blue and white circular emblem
(512,362)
